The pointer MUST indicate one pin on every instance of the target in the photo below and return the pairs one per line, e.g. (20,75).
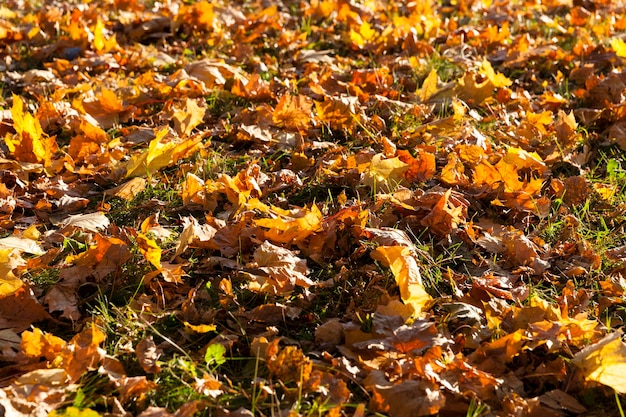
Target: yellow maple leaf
(29,144)
(404,267)
(605,362)
(102,43)
(429,87)
(188,117)
(157,156)
(365,34)
(619,46)
(385,174)
(150,250)
(497,79)
(199,328)
(9,283)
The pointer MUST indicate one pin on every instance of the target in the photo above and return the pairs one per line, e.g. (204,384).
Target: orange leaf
(292,226)
(445,217)
(36,344)
(421,168)
(339,113)
(293,112)
(83,352)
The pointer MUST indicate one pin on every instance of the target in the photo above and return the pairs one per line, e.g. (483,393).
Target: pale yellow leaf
(605,362)
(385,175)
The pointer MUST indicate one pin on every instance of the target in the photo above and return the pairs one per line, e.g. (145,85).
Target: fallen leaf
(405,269)
(148,355)
(188,117)
(29,144)
(385,175)
(282,270)
(605,361)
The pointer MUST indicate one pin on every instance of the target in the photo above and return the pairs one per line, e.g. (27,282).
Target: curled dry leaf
(281,270)
(148,355)
(93,222)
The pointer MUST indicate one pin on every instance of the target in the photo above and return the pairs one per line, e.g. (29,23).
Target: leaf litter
(331,207)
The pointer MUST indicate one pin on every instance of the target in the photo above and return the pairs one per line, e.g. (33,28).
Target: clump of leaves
(335,208)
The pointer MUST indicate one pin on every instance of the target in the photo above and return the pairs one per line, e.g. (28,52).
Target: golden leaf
(199,328)
(101,42)
(293,112)
(29,144)
(605,362)
(150,250)
(497,79)
(429,87)
(188,117)
(619,46)
(9,283)
(157,156)
(291,227)
(405,269)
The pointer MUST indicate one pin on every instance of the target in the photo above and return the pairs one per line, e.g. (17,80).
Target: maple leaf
(104,108)
(282,269)
(102,43)
(9,283)
(406,271)
(364,35)
(149,249)
(404,398)
(385,174)
(29,144)
(605,361)
(188,117)
(20,309)
(339,112)
(148,355)
(445,216)
(157,156)
(293,112)
(429,87)
(291,226)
